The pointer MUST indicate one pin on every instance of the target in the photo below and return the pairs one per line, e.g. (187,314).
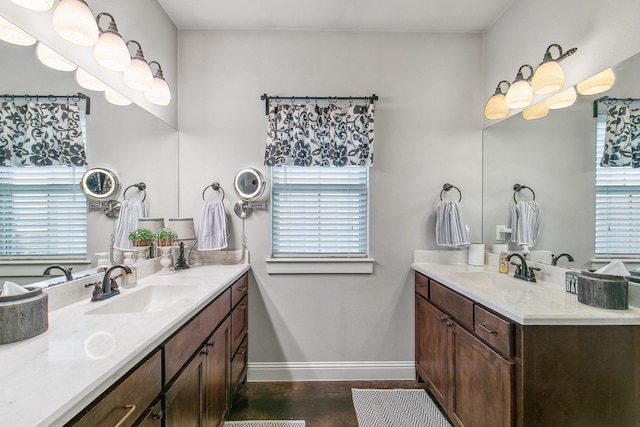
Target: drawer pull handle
(242,306)
(487,329)
(130,408)
(241,289)
(242,350)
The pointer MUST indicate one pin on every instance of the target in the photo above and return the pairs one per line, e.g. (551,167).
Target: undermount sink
(153,298)
(490,280)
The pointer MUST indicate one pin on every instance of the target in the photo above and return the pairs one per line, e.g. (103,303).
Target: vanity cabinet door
(433,349)
(482,384)
(217,375)
(184,400)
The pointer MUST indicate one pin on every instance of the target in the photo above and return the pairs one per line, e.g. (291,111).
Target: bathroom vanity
(497,351)
(169,350)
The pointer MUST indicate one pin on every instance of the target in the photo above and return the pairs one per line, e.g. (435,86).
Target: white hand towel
(130,212)
(525,222)
(212,232)
(450,228)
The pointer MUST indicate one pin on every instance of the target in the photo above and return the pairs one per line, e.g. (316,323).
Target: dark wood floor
(318,403)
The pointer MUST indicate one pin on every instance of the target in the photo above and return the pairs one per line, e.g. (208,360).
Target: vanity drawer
(129,399)
(239,364)
(452,303)
(494,330)
(422,285)
(239,289)
(239,323)
(179,348)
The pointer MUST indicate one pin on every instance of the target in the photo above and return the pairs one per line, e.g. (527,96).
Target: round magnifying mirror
(100,184)
(249,184)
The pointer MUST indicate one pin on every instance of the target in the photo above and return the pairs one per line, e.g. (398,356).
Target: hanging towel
(212,232)
(130,212)
(525,223)
(450,228)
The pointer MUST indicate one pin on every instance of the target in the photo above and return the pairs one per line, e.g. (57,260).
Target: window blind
(319,212)
(42,212)
(617,222)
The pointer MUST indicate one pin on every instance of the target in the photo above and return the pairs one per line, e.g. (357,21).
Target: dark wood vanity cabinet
(470,381)
(487,370)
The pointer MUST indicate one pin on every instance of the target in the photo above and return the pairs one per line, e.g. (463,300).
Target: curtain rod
(611,101)
(266,98)
(76,97)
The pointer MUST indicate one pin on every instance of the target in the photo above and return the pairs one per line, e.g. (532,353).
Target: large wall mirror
(130,141)
(555,156)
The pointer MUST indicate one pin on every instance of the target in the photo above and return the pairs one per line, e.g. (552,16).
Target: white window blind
(319,211)
(617,225)
(43,212)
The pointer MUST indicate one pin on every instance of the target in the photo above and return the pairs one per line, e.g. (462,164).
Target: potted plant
(141,237)
(166,236)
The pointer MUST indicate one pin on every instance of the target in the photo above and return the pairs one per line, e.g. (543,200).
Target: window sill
(319,265)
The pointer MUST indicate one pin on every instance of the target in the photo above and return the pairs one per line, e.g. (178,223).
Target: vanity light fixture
(74,22)
(111,51)
(562,99)
(536,111)
(53,59)
(11,33)
(88,81)
(495,107)
(37,5)
(520,93)
(549,76)
(115,97)
(159,93)
(598,83)
(138,75)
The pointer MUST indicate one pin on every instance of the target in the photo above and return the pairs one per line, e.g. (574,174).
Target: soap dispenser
(130,279)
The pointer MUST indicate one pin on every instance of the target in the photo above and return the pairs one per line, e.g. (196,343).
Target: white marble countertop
(47,379)
(538,303)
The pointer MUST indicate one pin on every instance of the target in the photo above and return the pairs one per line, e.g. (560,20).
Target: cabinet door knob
(211,344)
(158,415)
(204,352)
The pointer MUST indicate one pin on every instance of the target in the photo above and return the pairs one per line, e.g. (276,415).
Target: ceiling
(350,15)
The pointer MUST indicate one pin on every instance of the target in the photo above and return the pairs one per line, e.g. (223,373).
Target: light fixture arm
(113,28)
(561,55)
(139,54)
(158,72)
(499,88)
(520,76)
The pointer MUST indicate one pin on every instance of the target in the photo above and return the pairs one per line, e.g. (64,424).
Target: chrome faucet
(66,270)
(108,287)
(523,271)
(555,259)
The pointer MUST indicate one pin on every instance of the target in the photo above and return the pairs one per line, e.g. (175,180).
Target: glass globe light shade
(563,99)
(10,33)
(116,98)
(496,108)
(138,75)
(74,22)
(111,52)
(53,59)
(37,5)
(159,93)
(519,94)
(598,83)
(548,78)
(89,82)
(536,111)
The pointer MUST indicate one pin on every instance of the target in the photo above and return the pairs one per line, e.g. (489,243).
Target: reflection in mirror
(556,157)
(100,184)
(250,184)
(129,140)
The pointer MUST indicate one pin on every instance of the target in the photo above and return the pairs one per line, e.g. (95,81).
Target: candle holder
(181,262)
(165,261)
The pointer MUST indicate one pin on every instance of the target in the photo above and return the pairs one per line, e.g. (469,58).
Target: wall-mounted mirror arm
(243,208)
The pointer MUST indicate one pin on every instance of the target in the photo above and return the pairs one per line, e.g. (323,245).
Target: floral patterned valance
(622,140)
(314,135)
(41,134)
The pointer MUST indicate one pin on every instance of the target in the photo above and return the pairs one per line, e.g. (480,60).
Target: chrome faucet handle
(97,292)
(518,268)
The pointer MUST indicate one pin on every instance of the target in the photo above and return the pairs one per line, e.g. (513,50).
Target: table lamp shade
(184,227)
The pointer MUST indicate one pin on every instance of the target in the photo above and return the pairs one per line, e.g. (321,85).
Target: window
(617,225)
(43,212)
(320,211)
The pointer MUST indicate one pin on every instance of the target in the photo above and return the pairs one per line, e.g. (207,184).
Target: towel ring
(216,187)
(141,186)
(448,187)
(518,187)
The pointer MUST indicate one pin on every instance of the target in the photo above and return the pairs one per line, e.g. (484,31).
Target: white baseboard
(331,371)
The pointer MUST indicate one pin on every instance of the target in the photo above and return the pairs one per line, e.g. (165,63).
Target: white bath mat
(396,408)
(259,423)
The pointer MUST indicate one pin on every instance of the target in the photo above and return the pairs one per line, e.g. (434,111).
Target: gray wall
(428,132)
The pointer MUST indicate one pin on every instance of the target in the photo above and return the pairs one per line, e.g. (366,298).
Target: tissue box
(23,316)
(603,290)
